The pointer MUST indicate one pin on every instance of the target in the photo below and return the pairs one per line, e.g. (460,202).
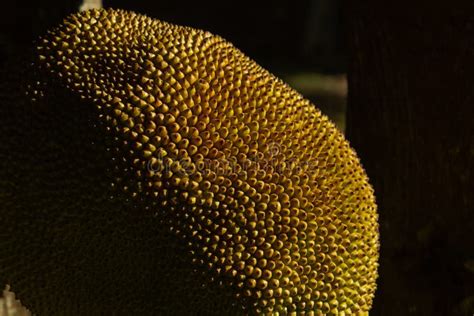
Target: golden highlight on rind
(265,192)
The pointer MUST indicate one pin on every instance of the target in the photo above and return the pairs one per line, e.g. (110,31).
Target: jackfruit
(156,169)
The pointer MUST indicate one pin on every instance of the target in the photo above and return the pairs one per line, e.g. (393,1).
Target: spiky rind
(265,192)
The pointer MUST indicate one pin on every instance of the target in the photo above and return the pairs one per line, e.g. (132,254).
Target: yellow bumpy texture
(263,193)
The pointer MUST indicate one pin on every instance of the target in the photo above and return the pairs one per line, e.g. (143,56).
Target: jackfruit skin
(155,169)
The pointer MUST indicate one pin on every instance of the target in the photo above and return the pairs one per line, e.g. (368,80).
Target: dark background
(301,42)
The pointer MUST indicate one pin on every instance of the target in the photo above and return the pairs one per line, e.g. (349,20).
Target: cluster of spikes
(265,192)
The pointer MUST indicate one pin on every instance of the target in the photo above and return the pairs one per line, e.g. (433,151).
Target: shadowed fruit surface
(155,169)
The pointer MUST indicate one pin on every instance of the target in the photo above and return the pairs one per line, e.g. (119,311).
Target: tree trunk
(410,118)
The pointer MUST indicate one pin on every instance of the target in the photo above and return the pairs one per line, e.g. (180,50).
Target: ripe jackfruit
(155,169)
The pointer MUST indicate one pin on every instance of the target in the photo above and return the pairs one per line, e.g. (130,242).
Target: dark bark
(410,118)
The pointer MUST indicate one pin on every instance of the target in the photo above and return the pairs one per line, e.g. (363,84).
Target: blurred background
(301,42)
